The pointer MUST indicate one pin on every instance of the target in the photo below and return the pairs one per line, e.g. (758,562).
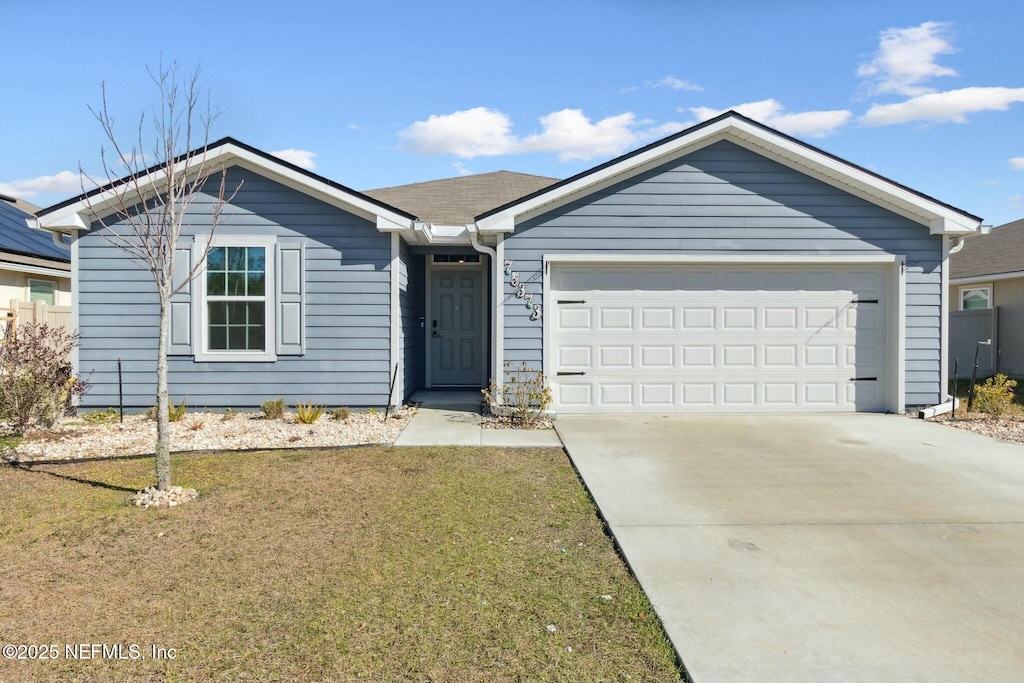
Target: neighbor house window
(236,298)
(42,290)
(975,298)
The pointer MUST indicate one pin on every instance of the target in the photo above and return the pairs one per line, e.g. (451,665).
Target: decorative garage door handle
(865,301)
(863,379)
(563,374)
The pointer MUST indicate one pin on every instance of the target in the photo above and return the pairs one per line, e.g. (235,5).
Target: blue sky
(373,94)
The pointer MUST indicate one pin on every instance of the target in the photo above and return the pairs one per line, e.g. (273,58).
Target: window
(233,307)
(236,298)
(42,290)
(975,298)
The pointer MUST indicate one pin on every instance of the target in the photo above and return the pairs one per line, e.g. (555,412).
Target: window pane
(215,259)
(236,313)
(218,313)
(256,312)
(236,338)
(42,291)
(236,284)
(236,258)
(256,259)
(218,338)
(975,299)
(257,338)
(215,283)
(256,284)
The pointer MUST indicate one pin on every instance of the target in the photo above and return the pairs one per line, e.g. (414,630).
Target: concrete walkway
(452,418)
(817,548)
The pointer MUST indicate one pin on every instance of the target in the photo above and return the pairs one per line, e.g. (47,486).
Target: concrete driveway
(818,548)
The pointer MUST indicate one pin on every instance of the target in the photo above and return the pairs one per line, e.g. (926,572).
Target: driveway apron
(817,547)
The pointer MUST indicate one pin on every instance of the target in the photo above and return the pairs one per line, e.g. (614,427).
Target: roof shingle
(1000,251)
(456,201)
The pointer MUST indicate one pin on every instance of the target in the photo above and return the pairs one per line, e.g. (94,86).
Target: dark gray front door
(456,328)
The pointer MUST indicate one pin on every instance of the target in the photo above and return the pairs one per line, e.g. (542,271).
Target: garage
(720,337)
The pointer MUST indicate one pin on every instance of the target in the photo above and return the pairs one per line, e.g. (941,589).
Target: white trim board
(986,278)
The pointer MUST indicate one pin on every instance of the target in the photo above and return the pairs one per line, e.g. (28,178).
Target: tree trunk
(163,421)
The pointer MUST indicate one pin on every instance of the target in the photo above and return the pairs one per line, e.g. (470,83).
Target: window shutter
(181,306)
(291,291)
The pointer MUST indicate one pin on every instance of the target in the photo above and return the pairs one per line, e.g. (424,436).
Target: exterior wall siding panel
(725,199)
(347,301)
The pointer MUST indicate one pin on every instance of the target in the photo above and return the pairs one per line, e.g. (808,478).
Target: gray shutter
(181,306)
(291,290)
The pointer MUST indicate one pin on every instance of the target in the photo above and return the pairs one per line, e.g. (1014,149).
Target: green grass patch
(440,564)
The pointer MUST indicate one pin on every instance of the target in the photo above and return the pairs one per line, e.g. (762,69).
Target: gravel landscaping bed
(1003,428)
(76,439)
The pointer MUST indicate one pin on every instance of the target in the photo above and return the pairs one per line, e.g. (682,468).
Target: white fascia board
(938,218)
(35,270)
(974,279)
(81,214)
(715,259)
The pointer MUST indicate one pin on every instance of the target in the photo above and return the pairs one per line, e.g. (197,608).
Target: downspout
(474,239)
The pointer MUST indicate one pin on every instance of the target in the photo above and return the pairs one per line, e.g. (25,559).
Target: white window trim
(987,286)
(200,334)
(28,289)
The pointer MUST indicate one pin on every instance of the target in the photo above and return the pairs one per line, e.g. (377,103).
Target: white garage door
(675,338)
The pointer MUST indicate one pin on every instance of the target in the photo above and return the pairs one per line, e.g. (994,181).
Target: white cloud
(488,132)
(905,59)
(1016,201)
(677,84)
(573,136)
(952,105)
(302,158)
(65,182)
(815,124)
(470,133)
(1017,163)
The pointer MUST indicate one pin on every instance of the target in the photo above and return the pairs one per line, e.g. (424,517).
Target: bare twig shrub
(36,380)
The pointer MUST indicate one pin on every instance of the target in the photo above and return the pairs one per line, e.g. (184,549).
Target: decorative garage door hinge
(863,379)
(564,374)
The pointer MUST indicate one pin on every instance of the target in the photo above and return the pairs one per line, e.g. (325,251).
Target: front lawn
(361,564)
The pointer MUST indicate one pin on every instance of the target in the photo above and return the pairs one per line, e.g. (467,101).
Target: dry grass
(361,564)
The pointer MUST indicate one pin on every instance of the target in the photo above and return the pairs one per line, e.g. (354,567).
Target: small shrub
(308,413)
(229,414)
(523,397)
(38,384)
(101,416)
(372,411)
(995,395)
(175,413)
(341,414)
(273,409)
(196,424)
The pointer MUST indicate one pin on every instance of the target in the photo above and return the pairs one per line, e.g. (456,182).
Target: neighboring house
(728,267)
(986,299)
(32,266)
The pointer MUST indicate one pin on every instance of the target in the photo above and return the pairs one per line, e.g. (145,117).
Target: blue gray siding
(725,199)
(413,306)
(347,324)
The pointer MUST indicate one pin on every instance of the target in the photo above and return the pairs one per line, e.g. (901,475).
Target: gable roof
(941,218)
(1000,251)
(16,237)
(457,201)
(78,212)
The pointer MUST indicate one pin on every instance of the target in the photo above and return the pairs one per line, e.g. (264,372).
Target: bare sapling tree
(153,191)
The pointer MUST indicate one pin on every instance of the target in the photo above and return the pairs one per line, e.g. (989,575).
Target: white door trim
(895,334)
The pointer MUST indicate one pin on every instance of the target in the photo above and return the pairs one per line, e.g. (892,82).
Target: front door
(456,328)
